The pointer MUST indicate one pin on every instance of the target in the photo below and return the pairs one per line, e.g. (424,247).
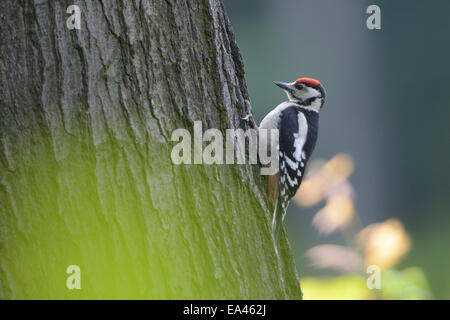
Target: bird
(297,122)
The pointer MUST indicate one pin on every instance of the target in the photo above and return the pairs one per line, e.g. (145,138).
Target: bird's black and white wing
(293,135)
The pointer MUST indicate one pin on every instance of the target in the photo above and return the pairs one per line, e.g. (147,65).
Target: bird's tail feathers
(277,221)
(273,184)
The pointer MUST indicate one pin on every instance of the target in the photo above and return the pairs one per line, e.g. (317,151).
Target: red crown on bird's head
(309,81)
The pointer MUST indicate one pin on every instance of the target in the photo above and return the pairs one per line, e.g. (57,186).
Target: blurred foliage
(379,244)
(349,287)
(409,283)
(384,243)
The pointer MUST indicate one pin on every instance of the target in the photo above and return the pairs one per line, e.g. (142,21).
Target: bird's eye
(299,86)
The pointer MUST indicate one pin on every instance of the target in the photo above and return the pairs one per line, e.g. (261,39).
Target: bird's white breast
(272,119)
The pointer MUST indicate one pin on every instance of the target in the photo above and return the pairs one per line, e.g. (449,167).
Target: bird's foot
(249,117)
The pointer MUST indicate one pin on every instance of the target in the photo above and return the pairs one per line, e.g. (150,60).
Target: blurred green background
(387,106)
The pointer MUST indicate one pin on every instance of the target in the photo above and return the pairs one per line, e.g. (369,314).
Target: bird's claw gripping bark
(249,117)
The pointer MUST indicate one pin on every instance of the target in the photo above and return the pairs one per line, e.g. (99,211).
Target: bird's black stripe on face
(309,101)
(292,92)
(322,91)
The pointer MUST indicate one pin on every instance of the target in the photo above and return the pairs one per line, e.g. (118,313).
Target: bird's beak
(283,85)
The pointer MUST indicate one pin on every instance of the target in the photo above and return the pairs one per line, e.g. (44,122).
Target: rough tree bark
(86,177)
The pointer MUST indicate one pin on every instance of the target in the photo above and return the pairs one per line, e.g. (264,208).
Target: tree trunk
(86,176)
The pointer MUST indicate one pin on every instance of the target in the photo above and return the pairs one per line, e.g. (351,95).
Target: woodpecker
(298,122)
